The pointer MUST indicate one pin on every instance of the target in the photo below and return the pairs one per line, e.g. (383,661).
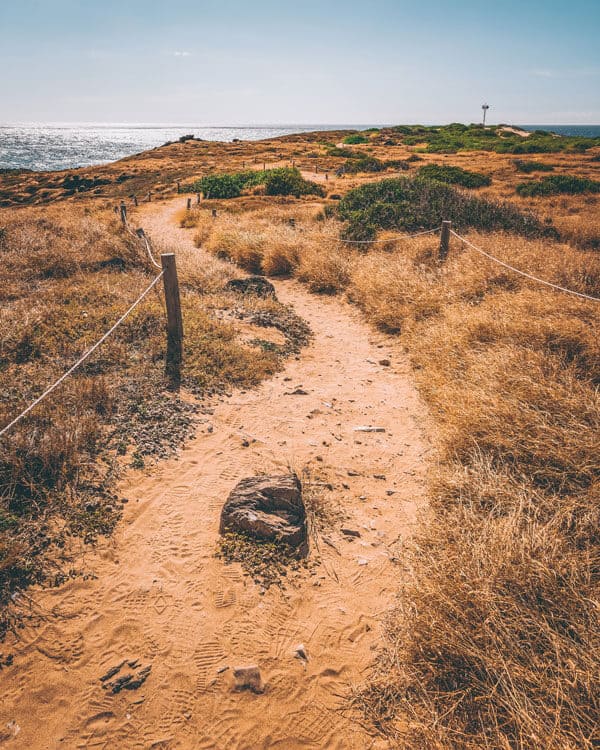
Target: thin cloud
(182,54)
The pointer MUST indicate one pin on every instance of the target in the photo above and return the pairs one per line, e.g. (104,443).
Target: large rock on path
(268,509)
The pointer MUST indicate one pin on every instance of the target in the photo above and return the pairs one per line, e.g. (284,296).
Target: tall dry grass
(495,642)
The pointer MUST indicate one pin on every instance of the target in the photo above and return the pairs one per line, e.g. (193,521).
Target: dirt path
(161,597)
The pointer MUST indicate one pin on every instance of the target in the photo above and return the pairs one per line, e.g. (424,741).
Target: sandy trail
(161,596)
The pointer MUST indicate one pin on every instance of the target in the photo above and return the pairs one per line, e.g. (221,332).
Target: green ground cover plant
(412,204)
(558,184)
(454,176)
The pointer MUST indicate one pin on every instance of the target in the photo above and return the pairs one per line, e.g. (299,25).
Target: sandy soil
(161,597)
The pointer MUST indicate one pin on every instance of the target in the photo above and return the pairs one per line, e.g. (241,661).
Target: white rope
(82,359)
(141,235)
(523,273)
(149,249)
(393,237)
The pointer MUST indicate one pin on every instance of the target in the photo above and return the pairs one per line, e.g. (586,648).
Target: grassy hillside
(495,639)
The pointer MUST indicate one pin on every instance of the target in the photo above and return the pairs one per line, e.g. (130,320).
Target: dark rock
(248,678)
(256,285)
(268,509)
(350,532)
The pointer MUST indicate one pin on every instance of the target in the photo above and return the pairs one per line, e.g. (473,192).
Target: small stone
(351,532)
(385,362)
(389,493)
(300,652)
(245,443)
(248,678)
(362,561)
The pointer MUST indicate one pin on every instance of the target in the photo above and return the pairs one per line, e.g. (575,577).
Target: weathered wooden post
(214,213)
(149,197)
(189,203)
(293,164)
(444,240)
(135,200)
(174,319)
(264,166)
(178,186)
(326,175)
(198,198)
(292,223)
(123,213)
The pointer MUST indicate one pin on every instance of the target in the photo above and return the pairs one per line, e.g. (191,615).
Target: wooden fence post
(135,200)
(123,212)
(149,196)
(214,213)
(189,203)
(174,319)
(445,240)
(198,198)
(178,187)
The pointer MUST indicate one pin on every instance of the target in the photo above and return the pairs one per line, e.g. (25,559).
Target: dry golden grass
(496,639)
(67,274)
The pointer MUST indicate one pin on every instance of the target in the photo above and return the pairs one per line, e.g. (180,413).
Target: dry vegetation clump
(67,276)
(496,638)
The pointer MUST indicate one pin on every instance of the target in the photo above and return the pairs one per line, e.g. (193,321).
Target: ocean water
(55,146)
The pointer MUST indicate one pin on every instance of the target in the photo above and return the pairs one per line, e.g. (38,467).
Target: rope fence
(523,273)
(168,273)
(83,358)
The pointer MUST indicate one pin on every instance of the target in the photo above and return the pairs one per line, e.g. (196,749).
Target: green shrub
(532,166)
(287,181)
(355,139)
(346,153)
(280,181)
(454,176)
(412,204)
(558,184)
(364,164)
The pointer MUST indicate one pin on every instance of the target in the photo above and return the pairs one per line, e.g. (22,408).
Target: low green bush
(287,181)
(280,181)
(522,165)
(412,204)
(364,163)
(355,138)
(454,176)
(558,184)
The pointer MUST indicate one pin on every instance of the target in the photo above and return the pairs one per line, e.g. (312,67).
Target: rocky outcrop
(268,509)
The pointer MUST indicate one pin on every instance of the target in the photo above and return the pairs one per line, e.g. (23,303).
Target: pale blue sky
(243,62)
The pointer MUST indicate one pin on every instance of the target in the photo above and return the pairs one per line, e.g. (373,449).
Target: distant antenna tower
(485,108)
